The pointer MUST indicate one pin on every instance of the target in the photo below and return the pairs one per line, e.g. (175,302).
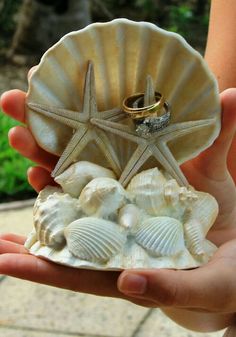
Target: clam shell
(161,236)
(124,53)
(94,239)
(78,175)
(102,197)
(52,213)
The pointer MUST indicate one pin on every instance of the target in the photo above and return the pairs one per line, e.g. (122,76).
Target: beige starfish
(155,144)
(84,132)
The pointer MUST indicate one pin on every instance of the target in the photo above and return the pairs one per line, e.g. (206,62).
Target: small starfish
(84,131)
(152,145)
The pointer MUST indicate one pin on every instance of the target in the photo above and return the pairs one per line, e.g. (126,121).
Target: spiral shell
(51,215)
(147,190)
(94,239)
(102,197)
(79,174)
(161,236)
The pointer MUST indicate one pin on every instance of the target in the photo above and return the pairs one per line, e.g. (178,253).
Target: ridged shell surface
(124,53)
(79,174)
(147,188)
(52,214)
(161,236)
(102,197)
(94,239)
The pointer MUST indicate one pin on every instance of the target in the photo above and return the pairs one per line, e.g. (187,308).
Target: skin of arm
(221,53)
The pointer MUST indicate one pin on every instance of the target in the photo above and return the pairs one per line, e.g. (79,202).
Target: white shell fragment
(161,236)
(94,239)
(109,227)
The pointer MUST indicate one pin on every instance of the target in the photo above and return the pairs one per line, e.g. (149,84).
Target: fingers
(22,140)
(177,288)
(29,267)
(213,161)
(38,178)
(11,247)
(13,104)
(19,239)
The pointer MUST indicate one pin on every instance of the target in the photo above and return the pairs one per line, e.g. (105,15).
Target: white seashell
(198,220)
(94,239)
(58,83)
(52,213)
(102,197)
(161,236)
(129,216)
(79,174)
(194,237)
(175,195)
(147,190)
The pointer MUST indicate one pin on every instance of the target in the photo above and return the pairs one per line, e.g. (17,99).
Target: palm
(208,172)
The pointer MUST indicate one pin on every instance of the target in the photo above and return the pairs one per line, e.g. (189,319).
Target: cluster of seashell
(93,221)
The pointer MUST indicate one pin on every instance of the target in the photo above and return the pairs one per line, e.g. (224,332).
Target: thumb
(201,288)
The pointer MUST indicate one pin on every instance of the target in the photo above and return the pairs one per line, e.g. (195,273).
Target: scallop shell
(161,236)
(52,213)
(124,53)
(78,175)
(94,239)
(102,197)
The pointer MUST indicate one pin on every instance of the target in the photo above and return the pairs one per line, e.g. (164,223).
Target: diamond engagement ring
(148,119)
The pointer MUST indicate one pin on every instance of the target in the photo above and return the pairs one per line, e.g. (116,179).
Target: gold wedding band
(143,111)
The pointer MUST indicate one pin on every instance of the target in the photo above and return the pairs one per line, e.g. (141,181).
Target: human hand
(199,172)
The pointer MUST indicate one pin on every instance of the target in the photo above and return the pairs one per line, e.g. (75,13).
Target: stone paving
(35,310)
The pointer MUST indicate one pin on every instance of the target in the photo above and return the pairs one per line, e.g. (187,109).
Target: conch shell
(52,213)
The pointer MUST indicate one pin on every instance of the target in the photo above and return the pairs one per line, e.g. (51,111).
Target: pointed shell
(102,197)
(51,215)
(194,237)
(161,236)
(78,175)
(189,87)
(94,239)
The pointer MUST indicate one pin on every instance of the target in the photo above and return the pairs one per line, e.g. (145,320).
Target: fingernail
(132,284)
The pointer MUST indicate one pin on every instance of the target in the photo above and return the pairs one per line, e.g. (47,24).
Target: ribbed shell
(124,53)
(194,237)
(161,236)
(51,215)
(94,239)
(78,175)
(147,189)
(102,197)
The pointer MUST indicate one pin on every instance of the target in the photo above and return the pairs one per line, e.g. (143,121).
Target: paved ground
(33,310)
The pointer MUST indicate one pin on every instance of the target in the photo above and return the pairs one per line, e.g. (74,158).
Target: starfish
(155,144)
(83,131)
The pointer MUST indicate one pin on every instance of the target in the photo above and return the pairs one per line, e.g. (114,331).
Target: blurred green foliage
(13,167)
